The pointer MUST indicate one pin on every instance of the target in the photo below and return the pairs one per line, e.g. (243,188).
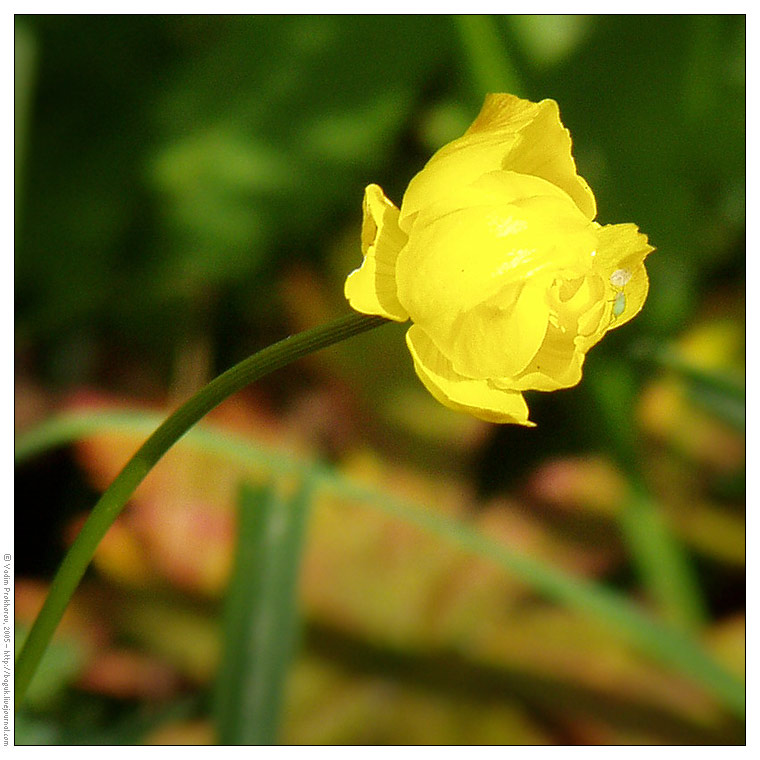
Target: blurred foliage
(188,189)
(395,655)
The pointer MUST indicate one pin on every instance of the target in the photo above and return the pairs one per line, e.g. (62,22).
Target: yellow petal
(502,111)
(371,289)
(557,364)
(500,188)
(455,166)
(477,397)
(459,260)
(491,341)
(544,148)
(511,134)
(592,326)
(622,249)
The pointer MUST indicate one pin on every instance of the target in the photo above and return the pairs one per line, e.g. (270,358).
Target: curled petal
(371,289)
(591,326)
(455,166)
(499,189)
(544,147)
(511,134)
(557,364)
(622,249)
(468,264)
(477,397)
(492,341)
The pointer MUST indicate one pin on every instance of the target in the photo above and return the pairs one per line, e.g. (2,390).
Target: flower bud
(496,258)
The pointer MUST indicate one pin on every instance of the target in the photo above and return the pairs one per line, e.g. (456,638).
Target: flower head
(496,258)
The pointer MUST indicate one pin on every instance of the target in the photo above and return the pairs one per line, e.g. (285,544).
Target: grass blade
(261,617)
(491,68)
(663,566)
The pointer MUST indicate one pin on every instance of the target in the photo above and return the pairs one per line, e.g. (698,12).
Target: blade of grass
(72,426)
(673,648)
(662,564)
(491,68)
(662,561)
(261,618)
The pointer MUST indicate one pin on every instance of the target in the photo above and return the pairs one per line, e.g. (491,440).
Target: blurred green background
(188,190)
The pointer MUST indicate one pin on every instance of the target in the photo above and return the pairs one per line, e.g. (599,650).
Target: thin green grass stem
(261,614)
(663,566)
(166,435)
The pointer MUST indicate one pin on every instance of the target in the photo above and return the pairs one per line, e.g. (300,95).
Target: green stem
(165,436)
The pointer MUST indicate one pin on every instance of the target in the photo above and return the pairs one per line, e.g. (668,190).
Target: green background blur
(188,190)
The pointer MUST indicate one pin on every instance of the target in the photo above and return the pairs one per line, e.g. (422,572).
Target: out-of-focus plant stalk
(166,435)
(662,564)
(261,613)
(491,67)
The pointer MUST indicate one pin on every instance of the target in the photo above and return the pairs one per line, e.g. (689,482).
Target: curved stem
(165,436)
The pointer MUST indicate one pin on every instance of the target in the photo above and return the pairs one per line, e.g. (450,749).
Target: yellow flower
(496,259)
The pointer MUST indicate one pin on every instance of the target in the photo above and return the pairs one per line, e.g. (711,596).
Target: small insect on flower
(619,279)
